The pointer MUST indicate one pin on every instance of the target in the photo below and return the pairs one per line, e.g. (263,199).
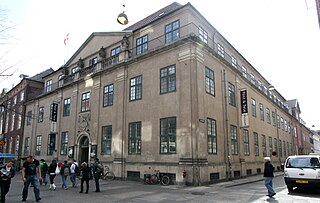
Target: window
(268,115)
(48,85)
(106,141)
(246,142)
(168,79)
(270,146)
(40,114)
(244,71)
(259,85)
(256,144)
(285,126)
(85,102)
(212,136)
(220,50)
(51,143)
(288,148)
(115,54)
(253,107)
(282,123)
(134,137)
(66,107)
(284,149)
(64,143)
(168,135)
(75,69)
(264,145)
(261,112)
(18,145)
(135,88)
(280,148)
(60,80)
(278,119)
(93,61)
(22,96)
(289,127)
(108,95)
(210,86)
(13,119)
(232,95)
(276,146)
(253,80)
(172,31)
(115,51)
(273,118)
(14,101)
(234,62)
(203,35)
(38,145)
(26,146)
(19,118)
(234,140)
(142,44)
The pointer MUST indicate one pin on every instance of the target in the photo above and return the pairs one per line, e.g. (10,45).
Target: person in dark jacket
(97,171)
(52,174)
(268,176)
(6,173)
(86,173)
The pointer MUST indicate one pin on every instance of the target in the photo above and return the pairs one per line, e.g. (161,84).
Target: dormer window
(142,44)
(48,85)
(172,31)
(203,35)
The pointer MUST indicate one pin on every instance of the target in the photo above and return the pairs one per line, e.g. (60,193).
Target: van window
(303,162)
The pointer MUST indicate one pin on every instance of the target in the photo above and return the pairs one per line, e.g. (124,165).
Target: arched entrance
(84,149)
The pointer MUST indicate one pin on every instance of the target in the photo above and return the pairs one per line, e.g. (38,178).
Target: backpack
(45,167)
(66,171)
(77,169)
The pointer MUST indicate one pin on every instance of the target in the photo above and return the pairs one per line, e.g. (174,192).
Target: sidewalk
(243,181)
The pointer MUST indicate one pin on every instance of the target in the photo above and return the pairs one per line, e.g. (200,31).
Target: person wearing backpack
(65,172)
(44,170)
(97,171)
(74,170)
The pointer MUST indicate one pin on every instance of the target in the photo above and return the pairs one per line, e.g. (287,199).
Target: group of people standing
(35,172)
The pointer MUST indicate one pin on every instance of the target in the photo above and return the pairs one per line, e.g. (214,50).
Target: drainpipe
(228,158)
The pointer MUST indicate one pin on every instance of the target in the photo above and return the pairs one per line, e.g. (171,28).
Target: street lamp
(122,17)
(271,88)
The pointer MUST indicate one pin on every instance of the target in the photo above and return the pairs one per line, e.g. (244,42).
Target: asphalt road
(127,191)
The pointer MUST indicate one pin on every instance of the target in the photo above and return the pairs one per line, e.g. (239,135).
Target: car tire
(290,188)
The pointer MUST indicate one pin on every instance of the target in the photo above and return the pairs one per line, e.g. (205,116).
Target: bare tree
(5,38)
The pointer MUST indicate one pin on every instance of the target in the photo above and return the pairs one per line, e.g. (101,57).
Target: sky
(280,38)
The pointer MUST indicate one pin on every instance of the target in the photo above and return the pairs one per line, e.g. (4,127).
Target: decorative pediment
(84,122)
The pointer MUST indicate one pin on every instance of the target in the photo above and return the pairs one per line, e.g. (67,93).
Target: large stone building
(168,93)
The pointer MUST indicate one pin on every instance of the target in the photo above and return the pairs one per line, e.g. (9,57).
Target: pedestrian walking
(6,173)
(97,170)
(86,173)
(65,172)
(268,176)
(30,170)
(74,168)
(44,170)
(52,174)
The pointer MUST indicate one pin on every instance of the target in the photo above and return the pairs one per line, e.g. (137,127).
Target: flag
(66,39)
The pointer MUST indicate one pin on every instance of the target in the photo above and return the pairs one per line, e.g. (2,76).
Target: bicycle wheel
(154,179)
(109,176)
(165,180)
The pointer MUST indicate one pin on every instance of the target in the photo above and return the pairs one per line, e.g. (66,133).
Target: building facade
(169,93)
(12,112)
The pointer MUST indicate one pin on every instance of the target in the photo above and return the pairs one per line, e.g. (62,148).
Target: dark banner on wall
(244,102)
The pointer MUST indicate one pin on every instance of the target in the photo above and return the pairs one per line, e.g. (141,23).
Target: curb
(251,181)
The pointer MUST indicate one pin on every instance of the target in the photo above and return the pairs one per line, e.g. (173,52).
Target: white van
(302,171)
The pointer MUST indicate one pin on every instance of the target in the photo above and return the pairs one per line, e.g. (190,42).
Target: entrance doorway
(84,149)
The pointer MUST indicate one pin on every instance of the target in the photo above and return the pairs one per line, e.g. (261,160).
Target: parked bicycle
(159,178)
(107,174)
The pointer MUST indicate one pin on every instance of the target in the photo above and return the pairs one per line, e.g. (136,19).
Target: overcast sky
(280,38)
